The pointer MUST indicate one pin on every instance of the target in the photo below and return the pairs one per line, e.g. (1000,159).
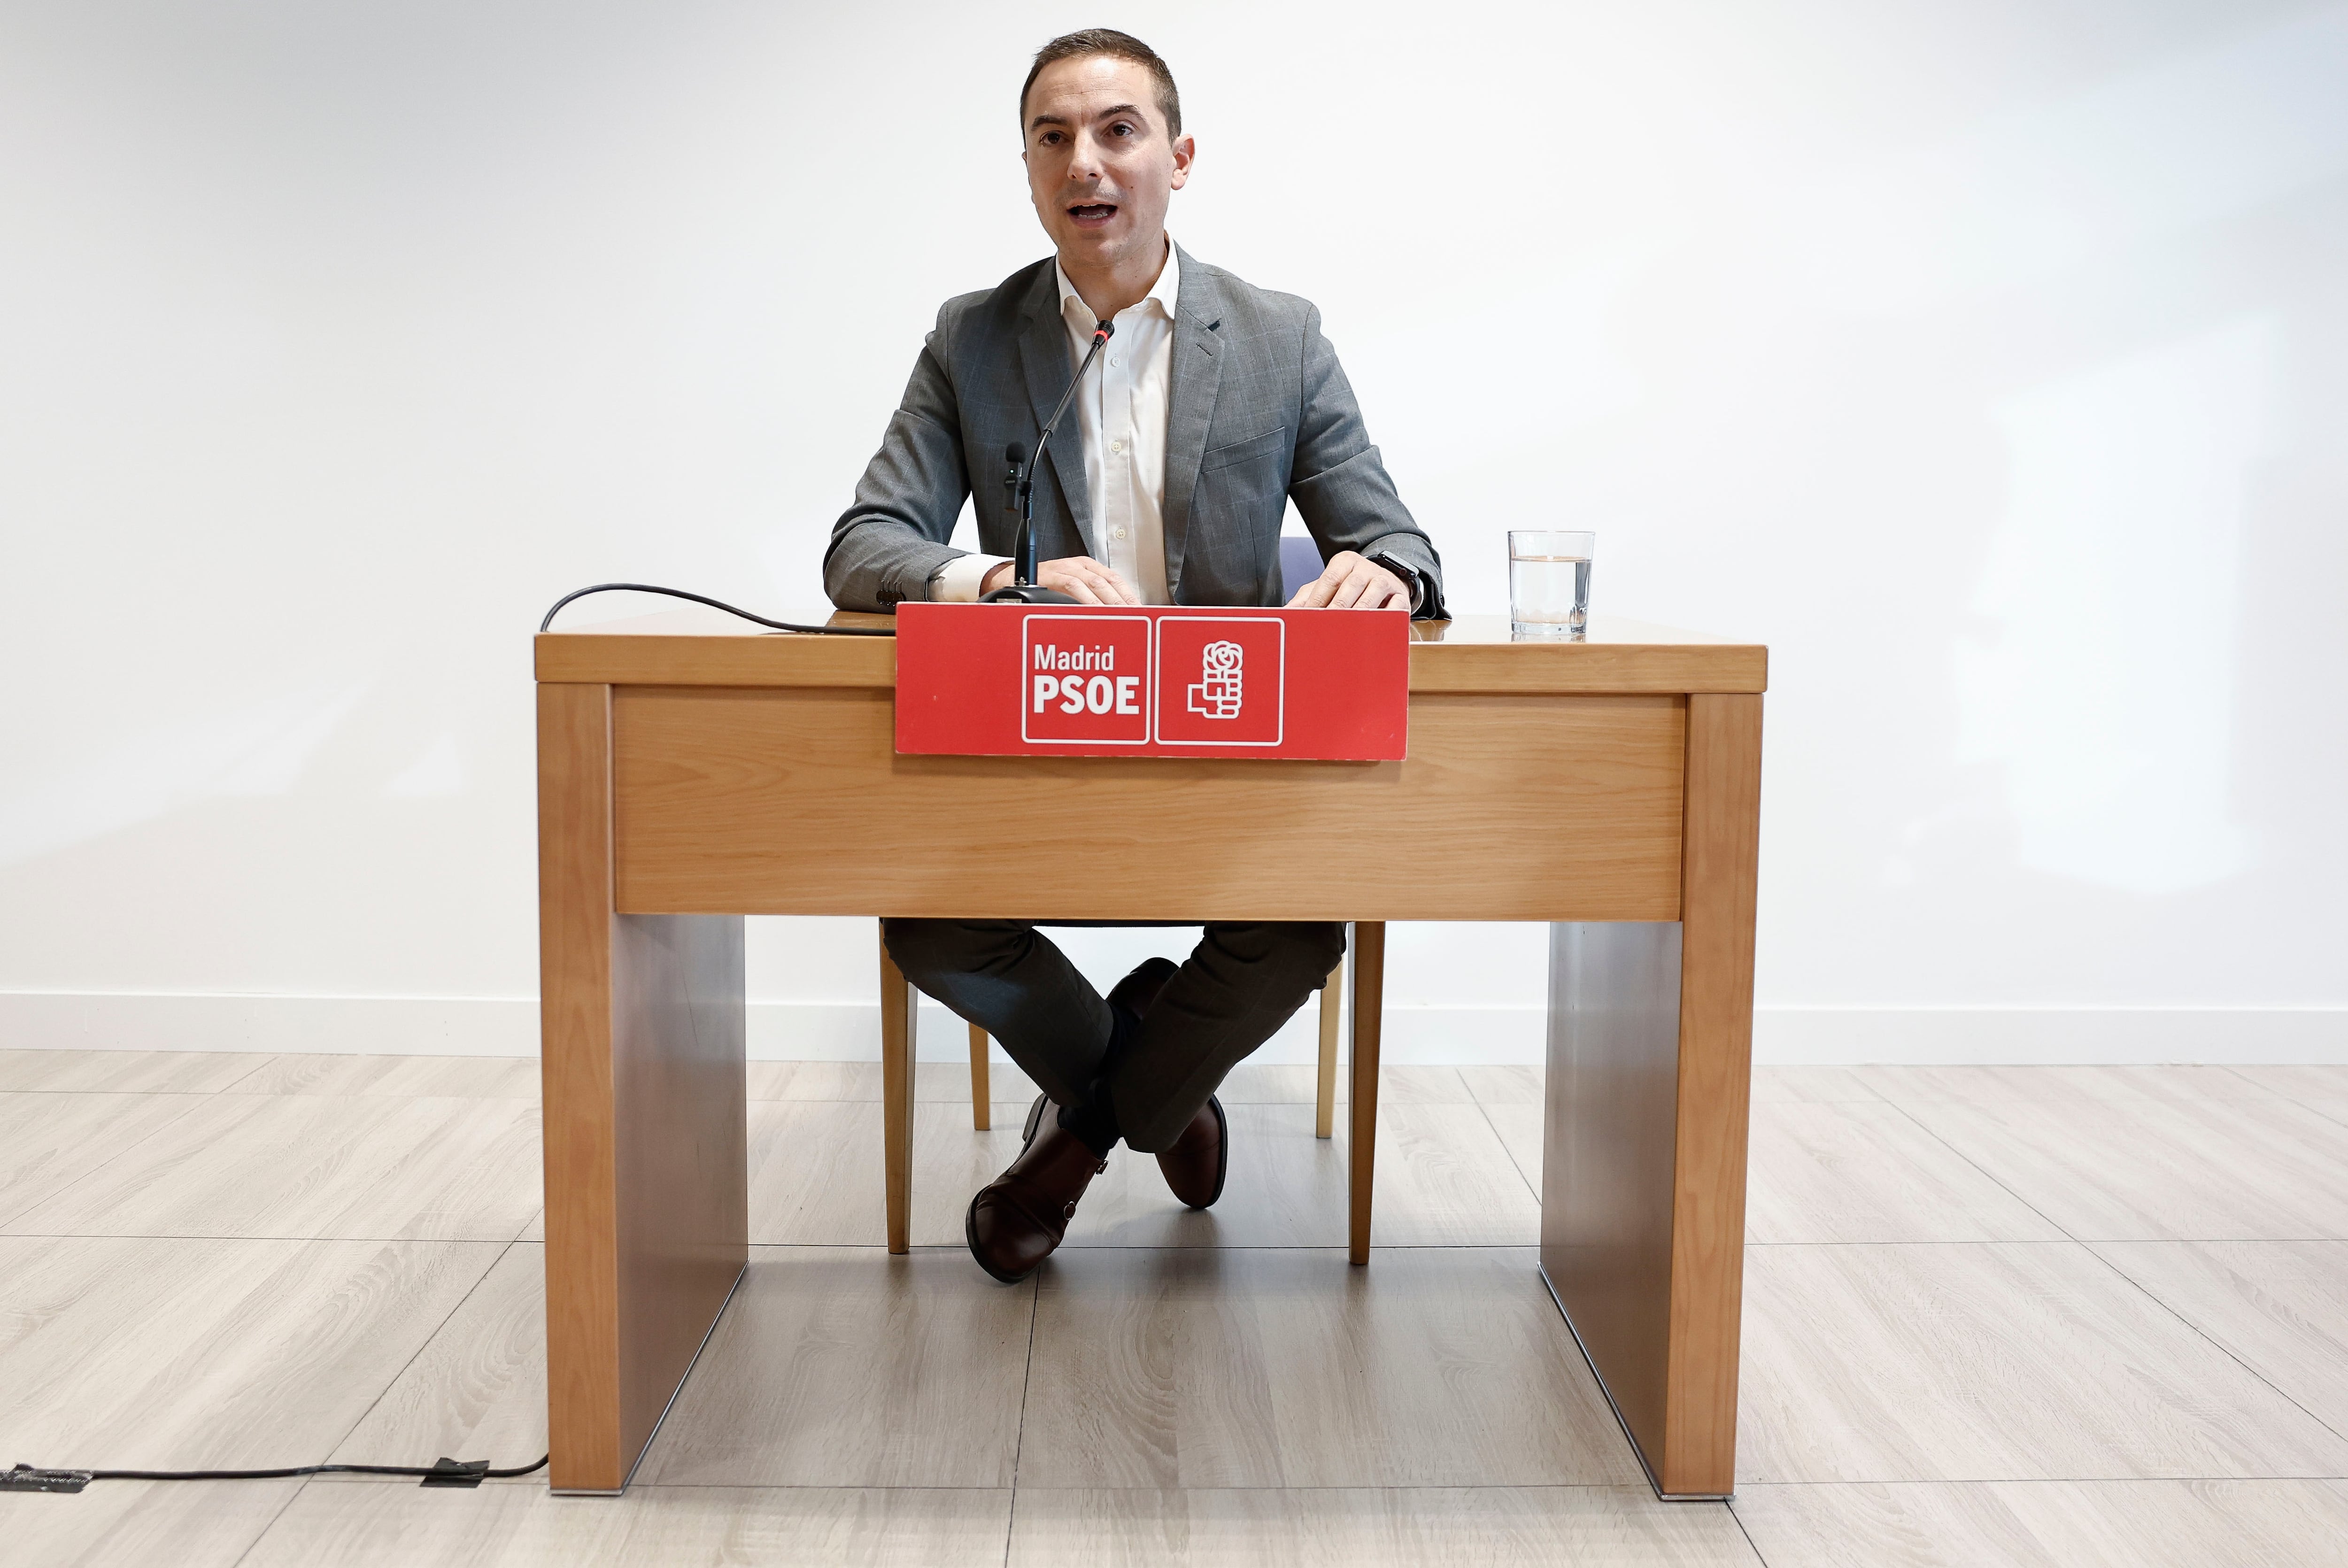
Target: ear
(1185,149)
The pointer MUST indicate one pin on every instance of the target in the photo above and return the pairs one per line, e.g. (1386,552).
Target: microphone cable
(714,604)
(447,1473)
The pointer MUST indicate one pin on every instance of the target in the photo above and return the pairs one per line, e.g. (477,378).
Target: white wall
(1989,360)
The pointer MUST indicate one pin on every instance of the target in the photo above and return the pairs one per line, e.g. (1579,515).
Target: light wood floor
(1993,1315)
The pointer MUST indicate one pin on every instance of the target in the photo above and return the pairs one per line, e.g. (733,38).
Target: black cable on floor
(716,604)
(448,1472)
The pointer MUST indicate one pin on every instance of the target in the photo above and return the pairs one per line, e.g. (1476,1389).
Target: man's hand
(1080,577)
(1352,581)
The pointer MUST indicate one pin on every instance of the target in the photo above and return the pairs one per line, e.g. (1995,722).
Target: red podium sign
(1012,680)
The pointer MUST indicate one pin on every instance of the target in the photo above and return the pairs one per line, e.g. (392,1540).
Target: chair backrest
(1300,563)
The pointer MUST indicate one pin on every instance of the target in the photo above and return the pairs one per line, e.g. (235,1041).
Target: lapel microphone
(1019,485)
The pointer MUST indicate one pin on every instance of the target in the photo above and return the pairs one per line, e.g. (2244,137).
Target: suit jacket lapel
(1044,360)
(1197,370)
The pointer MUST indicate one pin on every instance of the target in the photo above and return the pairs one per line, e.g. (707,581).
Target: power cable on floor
(447,1472)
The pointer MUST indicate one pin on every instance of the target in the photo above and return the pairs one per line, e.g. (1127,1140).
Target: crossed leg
(1244,980)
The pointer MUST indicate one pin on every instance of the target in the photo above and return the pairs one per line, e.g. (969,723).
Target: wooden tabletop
(698,646)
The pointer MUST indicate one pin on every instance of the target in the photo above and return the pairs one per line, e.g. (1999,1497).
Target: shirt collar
(1163,294)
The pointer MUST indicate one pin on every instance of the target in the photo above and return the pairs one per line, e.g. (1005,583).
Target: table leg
(900,1011)
(1369,1014)
(982,1095)
(647,1191)
(1642,1174)
(1324,1096)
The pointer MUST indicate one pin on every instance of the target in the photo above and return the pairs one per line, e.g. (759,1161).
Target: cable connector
(25,1478)
(446,1471)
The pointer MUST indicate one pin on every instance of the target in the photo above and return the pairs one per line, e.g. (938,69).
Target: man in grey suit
(1214,405)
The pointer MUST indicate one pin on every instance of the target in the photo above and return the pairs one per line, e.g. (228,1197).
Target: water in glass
(1550,592)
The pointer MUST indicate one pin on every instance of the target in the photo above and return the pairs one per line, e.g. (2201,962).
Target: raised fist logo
(1217,694)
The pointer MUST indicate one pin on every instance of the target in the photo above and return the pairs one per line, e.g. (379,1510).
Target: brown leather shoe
(1196,1163)
(1017,1218)
(1045,1106)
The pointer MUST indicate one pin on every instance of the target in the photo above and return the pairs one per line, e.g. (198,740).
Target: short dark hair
(1116,46)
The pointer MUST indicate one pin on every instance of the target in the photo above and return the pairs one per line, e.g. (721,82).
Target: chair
(1300,563)
(1366,943)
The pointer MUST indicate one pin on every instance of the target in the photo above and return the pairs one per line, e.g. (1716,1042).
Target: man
(1214,405)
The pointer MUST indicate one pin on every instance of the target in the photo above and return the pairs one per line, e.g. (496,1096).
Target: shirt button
(1117,446)
(1120,534)
(1115,361)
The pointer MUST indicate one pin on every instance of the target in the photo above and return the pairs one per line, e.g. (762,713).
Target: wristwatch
(1410,578)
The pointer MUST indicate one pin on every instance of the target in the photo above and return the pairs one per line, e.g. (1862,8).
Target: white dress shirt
(1120,415)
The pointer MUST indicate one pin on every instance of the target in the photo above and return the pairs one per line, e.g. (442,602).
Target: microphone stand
(1020,482)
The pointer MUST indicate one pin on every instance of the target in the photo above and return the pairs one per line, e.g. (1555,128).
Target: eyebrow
(1110,113)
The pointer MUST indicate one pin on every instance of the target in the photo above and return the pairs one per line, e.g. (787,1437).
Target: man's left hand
(1352,581)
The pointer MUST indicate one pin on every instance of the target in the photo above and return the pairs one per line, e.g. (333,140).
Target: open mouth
(1093,213)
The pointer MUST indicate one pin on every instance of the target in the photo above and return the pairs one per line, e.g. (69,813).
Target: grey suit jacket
(1259,414)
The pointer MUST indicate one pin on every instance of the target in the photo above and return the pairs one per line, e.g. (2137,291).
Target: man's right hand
(1080,577)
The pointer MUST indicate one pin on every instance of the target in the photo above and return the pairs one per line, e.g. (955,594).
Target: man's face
(1100,166)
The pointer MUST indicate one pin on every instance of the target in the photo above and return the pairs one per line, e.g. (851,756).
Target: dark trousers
(1241,982)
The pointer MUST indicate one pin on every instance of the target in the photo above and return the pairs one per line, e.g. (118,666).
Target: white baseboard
(1415,1034)
(360,1026)
(2049,1036)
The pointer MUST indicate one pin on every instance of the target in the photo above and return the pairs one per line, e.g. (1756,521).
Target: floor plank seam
(1758,1555)
(2089,1247)
(2035,1242)
(153,1132)
(2316,1108)
(121,1093)
(1522,1174)
(1986,1173)
(421,1347)
(1636,1489)
(1639,1488)
(265,1062)
(2042,1242)
(636,1486)
(254,1544)
(2266,1241)
(306,1094)
(2212,1341)
(1026,1383)
(2233,1070)
(1743,1486)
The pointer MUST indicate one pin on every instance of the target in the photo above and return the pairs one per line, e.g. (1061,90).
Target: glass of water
(1548,580)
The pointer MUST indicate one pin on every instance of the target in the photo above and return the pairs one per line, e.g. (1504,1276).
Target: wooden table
(691,773)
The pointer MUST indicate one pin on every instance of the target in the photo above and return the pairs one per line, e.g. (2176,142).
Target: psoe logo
(1218,692)
(1218,679)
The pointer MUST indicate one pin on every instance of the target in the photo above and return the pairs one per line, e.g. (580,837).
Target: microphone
(1019,484)
(1014,458)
